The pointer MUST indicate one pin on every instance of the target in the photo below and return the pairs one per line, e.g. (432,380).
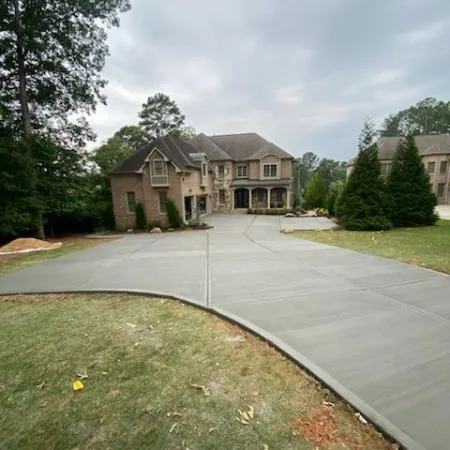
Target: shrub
(269,212)
(140,217)
(334,191)
(364,201)
(173,215)
(412,201)
(316,192)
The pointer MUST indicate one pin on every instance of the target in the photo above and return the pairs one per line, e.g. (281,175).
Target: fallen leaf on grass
(205,389)
(173,427)
(212,429)
(41,386)
(174,414)
(361,418)
(265,447)
(132,325)
(329,404)
(82,376)
(251,411)
(244,422)
(77,385)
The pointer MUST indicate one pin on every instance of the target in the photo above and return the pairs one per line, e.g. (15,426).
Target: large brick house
(435,153)
(215,173)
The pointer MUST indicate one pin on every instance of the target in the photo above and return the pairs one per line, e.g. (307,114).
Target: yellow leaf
(77,385)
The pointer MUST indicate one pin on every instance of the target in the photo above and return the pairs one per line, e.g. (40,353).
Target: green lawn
(10,263)
(160,375)
(426,247)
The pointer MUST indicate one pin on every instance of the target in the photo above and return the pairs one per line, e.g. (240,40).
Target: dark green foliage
(173,215)
(334,191)
(133,135)
(141,218)
(429,116)
(316,192)
(412,201)
(363,204)
(17,209)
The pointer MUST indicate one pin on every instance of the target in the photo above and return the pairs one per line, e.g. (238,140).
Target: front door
(241,198)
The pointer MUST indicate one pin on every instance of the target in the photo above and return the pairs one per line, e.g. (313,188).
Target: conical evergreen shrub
(412,201)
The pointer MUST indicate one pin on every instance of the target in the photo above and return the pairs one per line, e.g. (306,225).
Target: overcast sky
(303,74)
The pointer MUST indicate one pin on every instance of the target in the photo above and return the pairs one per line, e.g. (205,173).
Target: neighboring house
(250,172)
(215,173)
(166,168)
(435,153)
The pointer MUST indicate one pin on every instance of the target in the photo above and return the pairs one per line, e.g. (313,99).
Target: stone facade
(222,183)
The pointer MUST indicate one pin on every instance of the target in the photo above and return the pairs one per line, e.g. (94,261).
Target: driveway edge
(387,428)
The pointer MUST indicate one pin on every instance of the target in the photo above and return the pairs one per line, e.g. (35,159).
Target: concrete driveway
(376,331)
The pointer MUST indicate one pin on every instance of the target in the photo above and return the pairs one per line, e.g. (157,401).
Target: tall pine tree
(364,201)
(412,201)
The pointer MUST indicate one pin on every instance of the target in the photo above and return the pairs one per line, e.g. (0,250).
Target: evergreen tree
(173,215)
(364,201)
(316,192)
(412,201)
(160,116)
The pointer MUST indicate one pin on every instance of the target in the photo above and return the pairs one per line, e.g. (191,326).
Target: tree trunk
(23,97)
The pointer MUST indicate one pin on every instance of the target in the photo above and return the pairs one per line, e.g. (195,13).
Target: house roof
(433,144)
(237,147)
(176,150)
(204,144)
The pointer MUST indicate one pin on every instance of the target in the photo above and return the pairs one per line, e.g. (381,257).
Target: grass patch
(426,247)
(142,356)
(10,263)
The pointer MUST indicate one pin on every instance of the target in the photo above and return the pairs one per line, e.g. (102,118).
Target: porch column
(288,198)
(268,197)
(250,193)
(232,198)
(195,214)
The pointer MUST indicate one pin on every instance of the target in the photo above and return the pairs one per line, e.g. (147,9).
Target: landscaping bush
(336,188)
(140,217)
(173,215)
(364,202)
(269,212)
(316,192)
(412,201)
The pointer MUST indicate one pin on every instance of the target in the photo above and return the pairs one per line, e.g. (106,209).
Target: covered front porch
(261,197)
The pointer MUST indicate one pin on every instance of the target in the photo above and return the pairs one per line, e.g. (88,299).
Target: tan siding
(254,173)
(270,159)
(225,184)
(286,168)
(120,185)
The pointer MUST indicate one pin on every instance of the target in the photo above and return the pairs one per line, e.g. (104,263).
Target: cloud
(302,74)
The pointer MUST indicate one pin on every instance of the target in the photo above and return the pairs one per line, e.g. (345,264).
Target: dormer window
(158,167)
(241,172)
(270,170)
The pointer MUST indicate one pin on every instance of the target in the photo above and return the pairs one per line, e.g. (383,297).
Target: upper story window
(431,167)
(131,202)
(270,170)
(158,167)
(204,169)
(443,168)
(221,172)
(241,172)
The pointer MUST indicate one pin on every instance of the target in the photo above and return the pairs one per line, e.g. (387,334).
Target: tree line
(52,53)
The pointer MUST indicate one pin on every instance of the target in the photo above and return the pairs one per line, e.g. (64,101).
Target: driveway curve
(376,331)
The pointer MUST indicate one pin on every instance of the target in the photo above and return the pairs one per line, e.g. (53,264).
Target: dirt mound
(25,245)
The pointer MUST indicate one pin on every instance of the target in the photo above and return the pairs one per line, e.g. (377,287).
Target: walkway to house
(377,331)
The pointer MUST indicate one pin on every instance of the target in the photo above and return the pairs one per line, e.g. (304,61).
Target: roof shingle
(237,147)
(173,148)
